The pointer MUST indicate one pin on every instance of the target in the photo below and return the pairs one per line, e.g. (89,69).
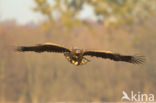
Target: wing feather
(47,47)
(115,56)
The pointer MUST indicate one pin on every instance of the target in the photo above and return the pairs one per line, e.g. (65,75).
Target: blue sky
(21,11)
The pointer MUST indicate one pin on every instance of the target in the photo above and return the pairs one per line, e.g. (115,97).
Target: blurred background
(121,26)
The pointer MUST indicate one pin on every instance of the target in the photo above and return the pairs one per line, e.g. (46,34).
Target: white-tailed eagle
(77,56)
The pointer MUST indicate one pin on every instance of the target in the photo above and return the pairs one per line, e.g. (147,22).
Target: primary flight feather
(76,56)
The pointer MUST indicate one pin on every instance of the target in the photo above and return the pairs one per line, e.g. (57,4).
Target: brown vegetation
(33,77)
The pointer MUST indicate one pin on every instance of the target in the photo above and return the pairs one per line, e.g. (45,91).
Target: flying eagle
(76,56)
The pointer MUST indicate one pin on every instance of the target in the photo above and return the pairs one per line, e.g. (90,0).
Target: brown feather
(115,56)
(47,47)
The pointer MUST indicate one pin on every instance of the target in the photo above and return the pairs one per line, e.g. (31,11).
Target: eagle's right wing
(115,56)
(47,47)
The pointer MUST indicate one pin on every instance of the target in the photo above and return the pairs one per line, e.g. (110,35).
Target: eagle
(77,57)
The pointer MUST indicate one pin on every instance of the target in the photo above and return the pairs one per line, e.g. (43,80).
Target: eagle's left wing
(47,47)
(115,57)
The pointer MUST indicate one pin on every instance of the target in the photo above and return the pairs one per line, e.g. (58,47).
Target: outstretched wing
(47,47)
(115,57)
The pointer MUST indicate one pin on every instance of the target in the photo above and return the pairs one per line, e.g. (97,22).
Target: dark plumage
(76,56)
